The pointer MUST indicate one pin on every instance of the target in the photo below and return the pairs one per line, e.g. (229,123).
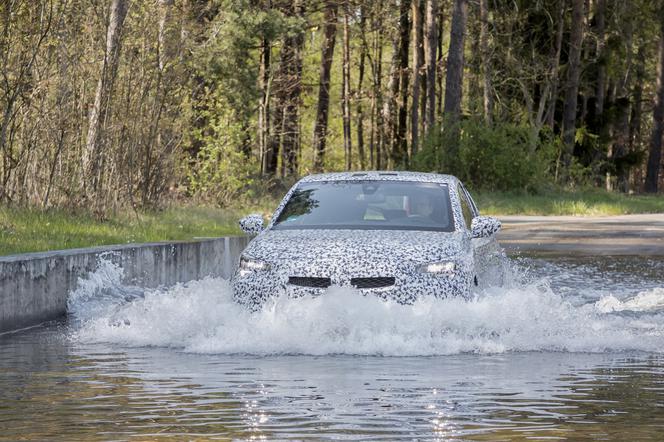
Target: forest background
(115,105)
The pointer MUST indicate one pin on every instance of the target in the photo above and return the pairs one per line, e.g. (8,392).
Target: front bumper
(255,288)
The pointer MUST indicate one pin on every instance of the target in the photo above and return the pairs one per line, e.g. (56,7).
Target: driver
(420,206)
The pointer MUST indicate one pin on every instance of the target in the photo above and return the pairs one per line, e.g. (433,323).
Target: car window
(371,204)
(473,206)
(465,208)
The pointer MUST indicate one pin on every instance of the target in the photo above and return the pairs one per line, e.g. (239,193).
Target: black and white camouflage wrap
(344,254)
(252,224)
(484,226)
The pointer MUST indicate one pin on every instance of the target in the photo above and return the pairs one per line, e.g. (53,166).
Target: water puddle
(570,349)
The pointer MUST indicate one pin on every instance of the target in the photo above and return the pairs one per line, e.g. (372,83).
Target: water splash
(201,317)
(100,292)
(646,301)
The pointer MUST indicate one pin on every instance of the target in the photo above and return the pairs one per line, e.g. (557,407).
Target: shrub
(499,157)
(222,171)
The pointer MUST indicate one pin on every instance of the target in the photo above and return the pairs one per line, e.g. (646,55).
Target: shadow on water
(57,385)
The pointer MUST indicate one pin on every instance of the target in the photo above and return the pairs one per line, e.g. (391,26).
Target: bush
(499,157)
(222,170)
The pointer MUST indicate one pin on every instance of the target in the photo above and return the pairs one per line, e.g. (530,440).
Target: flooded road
(572,349)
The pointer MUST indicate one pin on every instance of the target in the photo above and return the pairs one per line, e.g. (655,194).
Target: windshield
(367,205)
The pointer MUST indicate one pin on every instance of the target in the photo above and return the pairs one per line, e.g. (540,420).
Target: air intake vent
(304,281)
(372,283)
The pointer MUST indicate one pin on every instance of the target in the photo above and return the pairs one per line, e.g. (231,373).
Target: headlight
(437,268)
(249,265)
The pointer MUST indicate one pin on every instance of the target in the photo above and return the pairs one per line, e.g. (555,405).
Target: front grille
(372,283)
(305,281)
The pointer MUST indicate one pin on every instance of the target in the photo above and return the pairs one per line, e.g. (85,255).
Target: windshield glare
(367,205)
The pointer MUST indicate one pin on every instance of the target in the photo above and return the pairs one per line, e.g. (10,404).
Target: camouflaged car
(396,235)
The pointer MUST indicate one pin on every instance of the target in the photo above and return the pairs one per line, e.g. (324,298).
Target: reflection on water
(54,390)
(53,387)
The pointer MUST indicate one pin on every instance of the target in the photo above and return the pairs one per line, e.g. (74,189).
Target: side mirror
(484,226)
(252,224)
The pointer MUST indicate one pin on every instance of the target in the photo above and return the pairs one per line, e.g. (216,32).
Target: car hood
(354,245)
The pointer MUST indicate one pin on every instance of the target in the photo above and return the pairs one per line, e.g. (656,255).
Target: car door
(488,255)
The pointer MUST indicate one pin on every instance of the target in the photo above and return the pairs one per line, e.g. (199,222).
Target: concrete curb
(34,286)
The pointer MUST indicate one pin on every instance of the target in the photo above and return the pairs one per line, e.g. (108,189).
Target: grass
(31,230)
(581,203)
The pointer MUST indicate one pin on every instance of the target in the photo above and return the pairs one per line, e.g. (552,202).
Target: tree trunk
(430,43)
(160,134)
(327,54)
(346,92)
(621,143)
(472,72)
(621,111)
(440,59)
(360,81)
(455,64)
(283,137)
(485,61)
(290,137)
(264,105)
(655,154)
(417,74)
(555,65)
(390,107)
(422,71)
(637,98)
(378,124)
(637,112)
(92,153)
(166,46)
(273,141)
(600,90)
(573,76)
(400,144)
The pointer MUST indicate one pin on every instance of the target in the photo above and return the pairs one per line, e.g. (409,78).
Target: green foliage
(498,157)
(221,172)
(183,107)
(226,70)
(580,176)
(226,62)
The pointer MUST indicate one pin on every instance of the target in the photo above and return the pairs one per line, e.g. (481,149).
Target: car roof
(382,176)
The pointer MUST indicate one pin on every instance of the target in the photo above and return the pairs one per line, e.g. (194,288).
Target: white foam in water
(647,301)
(202,317)
(100,292)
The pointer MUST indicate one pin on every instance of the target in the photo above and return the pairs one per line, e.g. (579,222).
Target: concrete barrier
(34,286)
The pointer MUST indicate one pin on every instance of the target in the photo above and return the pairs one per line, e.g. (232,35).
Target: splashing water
(647,301)
(201,317)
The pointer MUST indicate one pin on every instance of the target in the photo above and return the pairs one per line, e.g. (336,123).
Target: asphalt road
(593,235)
